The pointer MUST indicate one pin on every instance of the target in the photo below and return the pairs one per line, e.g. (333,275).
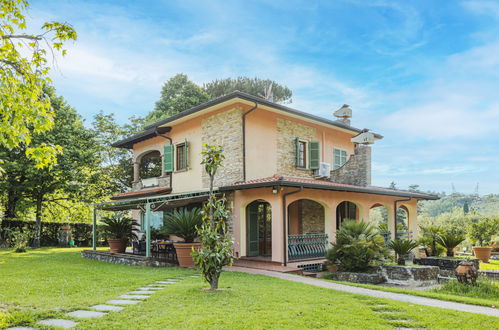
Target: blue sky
(425,74)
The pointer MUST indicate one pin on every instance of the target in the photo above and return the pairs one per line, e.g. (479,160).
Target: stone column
(136,171)
(391,222)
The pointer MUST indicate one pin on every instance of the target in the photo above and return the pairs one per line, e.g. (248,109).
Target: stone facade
(357,170)
(125,259)
(229,196)
(163,181)
(312,215)
(225,129)
(287,132)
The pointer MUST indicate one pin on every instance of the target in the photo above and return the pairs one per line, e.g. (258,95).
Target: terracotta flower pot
(117,245)
(184,251)
(482,252)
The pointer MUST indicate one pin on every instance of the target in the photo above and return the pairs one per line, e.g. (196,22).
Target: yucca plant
(183,223)
(402,248)
(450,241)
(358,246)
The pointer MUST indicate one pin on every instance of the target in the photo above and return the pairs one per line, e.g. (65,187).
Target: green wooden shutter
(297,152)
(186,154)
(314,155)
(252,227)
(168,158)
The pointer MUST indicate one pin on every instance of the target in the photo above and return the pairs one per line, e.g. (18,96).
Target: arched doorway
(259,229)
(346,210)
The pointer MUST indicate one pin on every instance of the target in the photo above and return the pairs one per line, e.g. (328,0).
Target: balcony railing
(307,246)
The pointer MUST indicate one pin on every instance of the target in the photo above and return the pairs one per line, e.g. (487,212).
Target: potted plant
(119,231)
(184,224)
(450,241)
(402,248)
(481,234)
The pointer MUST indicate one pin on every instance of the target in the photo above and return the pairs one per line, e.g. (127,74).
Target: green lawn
(51,281)
(491,265)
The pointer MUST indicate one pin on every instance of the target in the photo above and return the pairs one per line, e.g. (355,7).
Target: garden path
(373,293)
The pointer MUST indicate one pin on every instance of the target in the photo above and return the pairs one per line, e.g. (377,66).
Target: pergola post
(94,230)
(148,229)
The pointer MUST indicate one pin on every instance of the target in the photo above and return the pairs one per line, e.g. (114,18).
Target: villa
(290,177)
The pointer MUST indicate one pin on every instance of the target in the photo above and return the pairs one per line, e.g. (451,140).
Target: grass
(484,289)
(491,265)
(50,282)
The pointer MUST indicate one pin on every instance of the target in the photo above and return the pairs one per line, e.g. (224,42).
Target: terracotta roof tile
(153,191)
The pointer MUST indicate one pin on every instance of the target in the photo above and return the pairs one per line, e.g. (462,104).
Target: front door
(259,229)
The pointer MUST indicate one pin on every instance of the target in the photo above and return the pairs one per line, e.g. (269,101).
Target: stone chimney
(344,114)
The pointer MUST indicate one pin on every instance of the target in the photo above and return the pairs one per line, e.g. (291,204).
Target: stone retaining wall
(411,275)
(366,278)
(125,259)
(447,266)
(490,274)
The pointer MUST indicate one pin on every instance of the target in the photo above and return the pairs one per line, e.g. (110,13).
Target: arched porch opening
(150,165)
(402,223)
(307,238)
(259,229)
(347,210)
(378,216)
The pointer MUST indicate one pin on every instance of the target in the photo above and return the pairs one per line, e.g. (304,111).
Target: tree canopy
(254,86)
(178,94)
(24,71)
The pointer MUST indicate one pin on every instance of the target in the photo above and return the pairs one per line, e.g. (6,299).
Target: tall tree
(74,175)
(178,94)
(24,67)
(255,86)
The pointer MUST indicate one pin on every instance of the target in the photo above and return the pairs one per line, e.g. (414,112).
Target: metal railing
(307,246)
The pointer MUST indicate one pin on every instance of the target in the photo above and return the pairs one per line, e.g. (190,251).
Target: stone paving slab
(133,296)
(142,292)
(60,323)
(373,293)
(81,314)
(122,302)
(166,282)
(151,288)
(21,328)
(107,308)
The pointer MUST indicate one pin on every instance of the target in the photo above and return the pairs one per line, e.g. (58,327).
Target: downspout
(244,138)
(171,142)
(285,222)
(395,214)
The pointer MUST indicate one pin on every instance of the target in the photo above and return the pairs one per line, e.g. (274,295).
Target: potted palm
(481,233)
(450,241)
(184,224)
(401,249)
(119,231)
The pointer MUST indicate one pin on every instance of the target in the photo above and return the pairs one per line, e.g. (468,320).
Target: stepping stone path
(113,305)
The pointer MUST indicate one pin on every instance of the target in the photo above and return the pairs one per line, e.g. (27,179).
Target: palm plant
(118,227)
(183,223)
(450,241)
(402,248)
(358,246)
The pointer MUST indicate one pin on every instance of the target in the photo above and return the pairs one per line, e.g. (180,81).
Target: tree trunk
(38,223)
(450,252)
(214,282)
(401,261)
(10,207)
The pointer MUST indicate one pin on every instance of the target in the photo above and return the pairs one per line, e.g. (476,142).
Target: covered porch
(147,211)
(292,221)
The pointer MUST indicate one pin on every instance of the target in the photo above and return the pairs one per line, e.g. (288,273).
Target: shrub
(20,240)
(429,240)
(449,241)
(183,223)
(118,226)
(482,231)
(402,248)
(358,246)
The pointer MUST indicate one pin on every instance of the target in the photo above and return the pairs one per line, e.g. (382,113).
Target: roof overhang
(339,187)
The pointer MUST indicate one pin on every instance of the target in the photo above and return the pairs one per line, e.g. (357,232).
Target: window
(302,154)
(340,158)
(156,220)
(181,163)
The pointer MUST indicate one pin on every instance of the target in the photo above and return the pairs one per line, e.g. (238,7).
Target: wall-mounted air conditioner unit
(150,182)
(324,170)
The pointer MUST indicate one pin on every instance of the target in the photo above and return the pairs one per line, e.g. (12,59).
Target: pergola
(147,205)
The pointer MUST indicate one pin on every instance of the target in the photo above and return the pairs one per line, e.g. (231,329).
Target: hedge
(80,232)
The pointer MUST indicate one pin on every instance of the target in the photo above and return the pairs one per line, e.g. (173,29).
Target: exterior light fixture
(274,190)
